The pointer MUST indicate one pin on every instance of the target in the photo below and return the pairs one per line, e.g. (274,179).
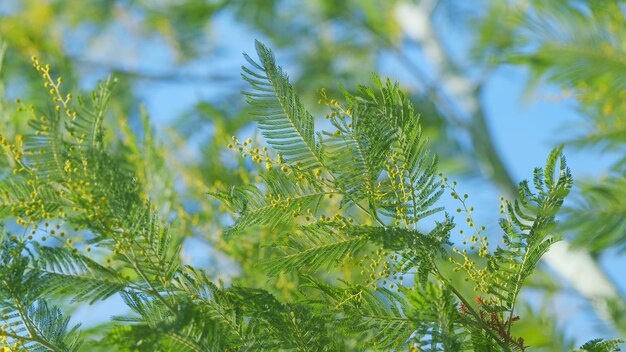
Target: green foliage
(350,211)
(329,41)
(396,188)
(598,218)
(598,345)
(528,230)
(285,123)
(70,274)
(28,322)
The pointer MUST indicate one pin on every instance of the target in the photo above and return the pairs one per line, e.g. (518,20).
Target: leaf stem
(471,310)
(145,278)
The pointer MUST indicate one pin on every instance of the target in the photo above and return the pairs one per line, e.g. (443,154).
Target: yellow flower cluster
(476,241)
(54,87)
(15,151)
(33,205)
(257,155)
(61,101)
(382,268)
(8,329)
(339,116)
(404,193)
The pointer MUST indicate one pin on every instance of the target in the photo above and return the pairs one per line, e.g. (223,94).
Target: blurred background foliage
(182,58)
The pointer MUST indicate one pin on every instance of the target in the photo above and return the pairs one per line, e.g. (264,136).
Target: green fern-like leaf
(283,119)
(21,198)
(73,274)
(152,245)
(434,311)
(315,247)
(528,229)
(28,320)
(283,199)
(599,345)
(46,150)
(88,125)
(52,327)
(374,318)
(364,144)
